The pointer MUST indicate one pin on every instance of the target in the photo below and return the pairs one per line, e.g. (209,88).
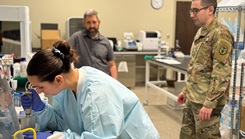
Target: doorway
(185,30)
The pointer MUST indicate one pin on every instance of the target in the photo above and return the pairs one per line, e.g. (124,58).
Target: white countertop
(135,52)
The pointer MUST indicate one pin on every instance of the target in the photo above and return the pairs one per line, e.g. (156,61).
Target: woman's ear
(59,79)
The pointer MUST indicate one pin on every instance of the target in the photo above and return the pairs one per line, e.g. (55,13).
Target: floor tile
(166,120)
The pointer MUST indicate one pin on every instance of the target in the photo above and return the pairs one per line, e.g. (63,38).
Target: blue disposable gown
(102,108)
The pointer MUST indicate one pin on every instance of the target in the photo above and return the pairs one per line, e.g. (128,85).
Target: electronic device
(149,39)
(129,43)
(163,45)
(73,24)
(20,15)
(114,41)
(177,50)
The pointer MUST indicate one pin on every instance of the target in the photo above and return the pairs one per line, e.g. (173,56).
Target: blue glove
(35,102)
(40,135)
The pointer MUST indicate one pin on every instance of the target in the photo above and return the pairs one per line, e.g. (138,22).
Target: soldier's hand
(181,98)
(205,113)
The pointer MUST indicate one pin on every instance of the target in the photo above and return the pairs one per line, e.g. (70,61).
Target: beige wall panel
(117,16)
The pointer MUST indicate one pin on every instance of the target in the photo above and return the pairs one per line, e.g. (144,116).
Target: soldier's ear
(211,9)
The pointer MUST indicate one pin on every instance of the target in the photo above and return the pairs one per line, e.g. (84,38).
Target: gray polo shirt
(92,52)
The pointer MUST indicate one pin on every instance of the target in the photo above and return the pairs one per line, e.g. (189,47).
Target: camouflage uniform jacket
(210,67)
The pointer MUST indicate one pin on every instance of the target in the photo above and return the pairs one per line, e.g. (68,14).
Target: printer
(149,39)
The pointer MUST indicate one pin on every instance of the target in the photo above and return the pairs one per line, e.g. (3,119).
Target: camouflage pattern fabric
(209,70)
(193,128)
(208,80)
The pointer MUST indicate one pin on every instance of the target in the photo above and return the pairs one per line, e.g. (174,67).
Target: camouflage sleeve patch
(222,51)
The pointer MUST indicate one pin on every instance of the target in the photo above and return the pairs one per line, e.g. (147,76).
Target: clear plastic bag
(123,66)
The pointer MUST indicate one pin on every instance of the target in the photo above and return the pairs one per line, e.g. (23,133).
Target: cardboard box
(49,37)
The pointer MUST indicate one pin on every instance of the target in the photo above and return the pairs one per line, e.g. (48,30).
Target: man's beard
(92,33)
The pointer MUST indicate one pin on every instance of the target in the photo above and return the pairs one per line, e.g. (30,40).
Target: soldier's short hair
(205,3)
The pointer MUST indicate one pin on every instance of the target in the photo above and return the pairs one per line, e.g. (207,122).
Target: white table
(179,68)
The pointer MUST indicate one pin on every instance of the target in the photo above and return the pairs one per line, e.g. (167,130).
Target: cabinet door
(127,78)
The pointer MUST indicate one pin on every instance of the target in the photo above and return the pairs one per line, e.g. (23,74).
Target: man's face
(199,13)
(91,24)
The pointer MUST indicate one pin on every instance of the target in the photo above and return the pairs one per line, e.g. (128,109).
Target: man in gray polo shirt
(93,48)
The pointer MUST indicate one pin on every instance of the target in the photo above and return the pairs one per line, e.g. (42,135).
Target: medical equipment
(9,123)
(113,40)
(33,134)
(162,47)
(177,50)
(25,130)
(28,121)
(129,43)
(19,14)
(149,39)
(159,56)
(74,24)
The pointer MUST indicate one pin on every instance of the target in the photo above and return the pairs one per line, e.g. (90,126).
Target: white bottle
(16,68)
(23,66)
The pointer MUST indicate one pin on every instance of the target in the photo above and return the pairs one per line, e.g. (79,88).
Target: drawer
(128,58)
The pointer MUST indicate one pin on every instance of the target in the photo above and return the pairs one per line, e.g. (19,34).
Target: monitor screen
(132,44)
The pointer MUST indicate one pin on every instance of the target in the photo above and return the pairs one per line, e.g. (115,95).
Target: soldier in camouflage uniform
(208,75)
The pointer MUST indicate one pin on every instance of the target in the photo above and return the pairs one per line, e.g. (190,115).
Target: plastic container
(16,68)
(17,102)
(8,117)
(21,81)
(23,66)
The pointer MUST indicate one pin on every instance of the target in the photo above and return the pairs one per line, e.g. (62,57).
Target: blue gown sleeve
(48,119)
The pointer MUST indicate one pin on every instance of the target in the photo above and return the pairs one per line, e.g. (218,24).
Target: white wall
(117,16)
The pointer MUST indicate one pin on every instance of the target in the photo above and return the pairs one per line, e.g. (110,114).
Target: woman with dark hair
(87,103)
